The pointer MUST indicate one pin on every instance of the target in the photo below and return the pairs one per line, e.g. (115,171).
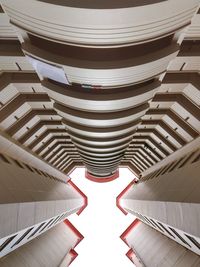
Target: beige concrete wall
(27,198)
(170,197)
(173,198)
(49,249)
(156,250)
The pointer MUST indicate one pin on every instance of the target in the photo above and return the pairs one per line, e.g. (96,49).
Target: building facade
(99,84)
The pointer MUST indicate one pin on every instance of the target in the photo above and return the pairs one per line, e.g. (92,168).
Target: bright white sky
(101,223)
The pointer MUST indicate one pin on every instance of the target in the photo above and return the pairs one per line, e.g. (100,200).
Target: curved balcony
(101,119)
(111,53)
(100,132)
(107,68)
(89,23)
(100,143)
(101,100)
(100,128)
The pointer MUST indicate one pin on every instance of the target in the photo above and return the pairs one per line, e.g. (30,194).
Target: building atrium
(108,91)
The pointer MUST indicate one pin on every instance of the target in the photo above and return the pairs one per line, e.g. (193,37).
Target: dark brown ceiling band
(100,130)
(139,162)
(182,77)
(18,77)
(137,165)
(100,158)
(45,134)
(19,100)
(145,154)
(100,115)
(157,145)
(101,155)
(11,48)
(141,157)
(101,151)
(111,57)
(189,48)
(159,135)
(176,118)
(101,171)
(99,146)
(35,128)
(100,163)
(71,156)
(167,128)
(54,138)
(149,148)
(50,149)
(103,94)
(67,162)
(91,4)
(180,99)
(57,156)
(141,146)
(27,117)
(99,140)
(142,161)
